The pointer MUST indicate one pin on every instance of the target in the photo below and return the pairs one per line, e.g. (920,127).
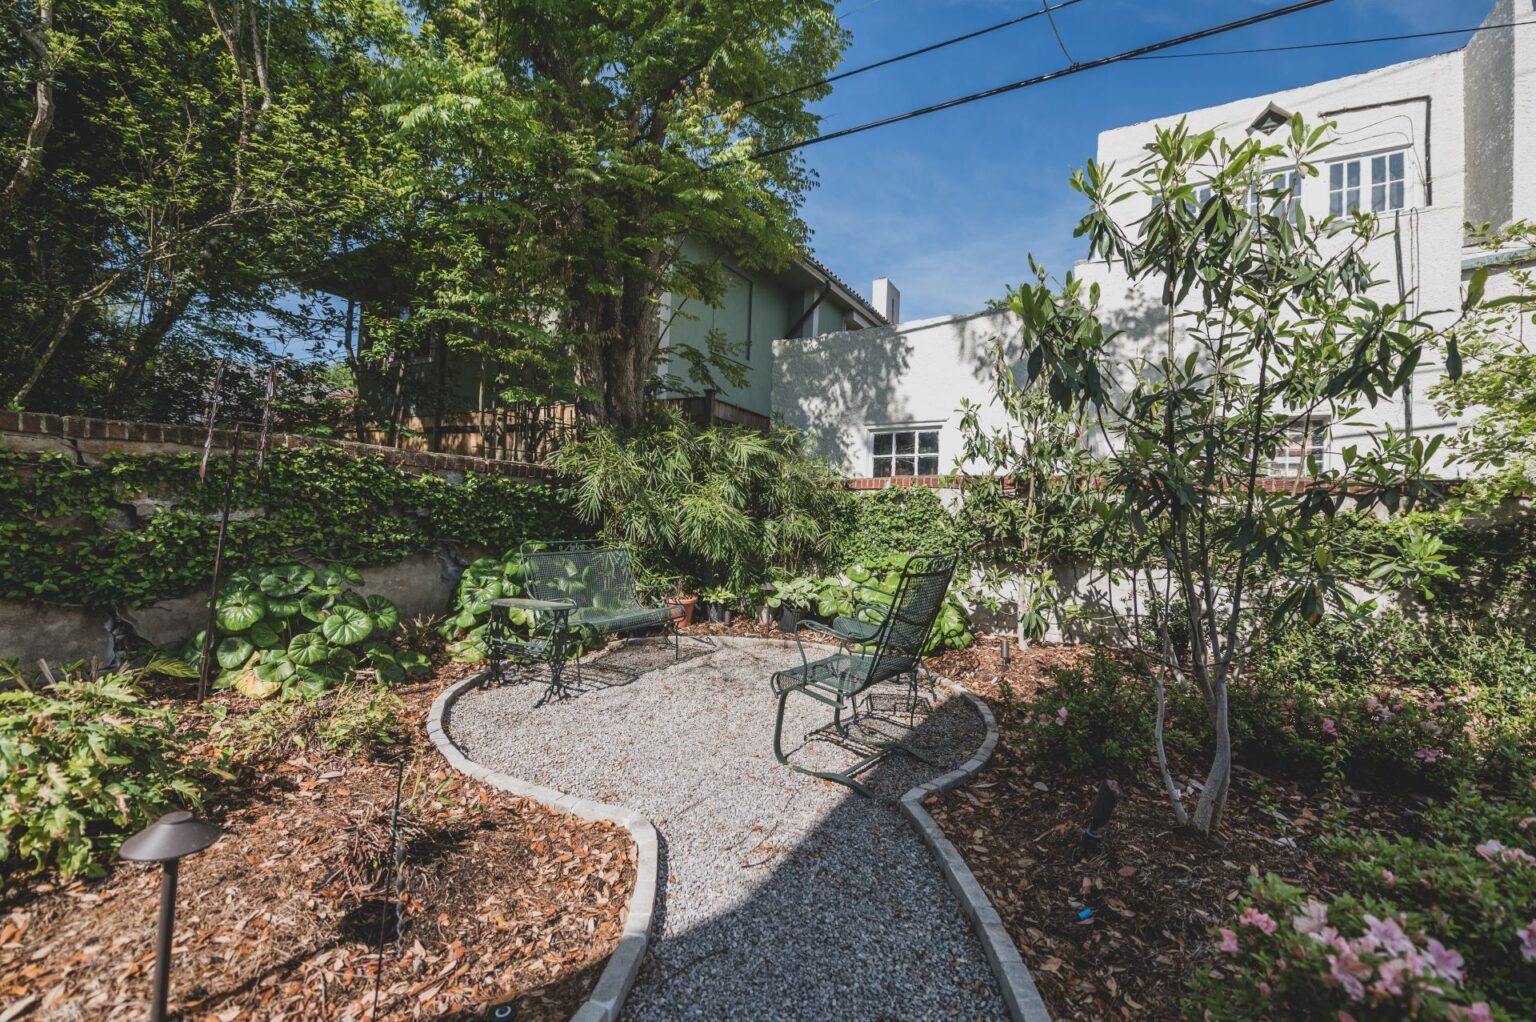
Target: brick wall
(90,438)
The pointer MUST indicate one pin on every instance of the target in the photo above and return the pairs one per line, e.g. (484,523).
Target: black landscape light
(167,841)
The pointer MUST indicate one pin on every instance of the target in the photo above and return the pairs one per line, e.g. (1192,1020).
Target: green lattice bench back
(598,580)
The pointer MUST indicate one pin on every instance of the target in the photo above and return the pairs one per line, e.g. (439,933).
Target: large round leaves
(238,611)
(290,580)
(309,648)
(275,667)
(346,625)
(315,605)
(267,633)
(282,606)
(384,613)
(233,652)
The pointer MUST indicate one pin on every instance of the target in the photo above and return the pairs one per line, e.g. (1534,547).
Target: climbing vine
(139,528)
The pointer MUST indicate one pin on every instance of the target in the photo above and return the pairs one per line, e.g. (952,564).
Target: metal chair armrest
(816,626)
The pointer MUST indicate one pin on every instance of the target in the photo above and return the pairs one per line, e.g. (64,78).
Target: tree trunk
(42,118)
(1213,799)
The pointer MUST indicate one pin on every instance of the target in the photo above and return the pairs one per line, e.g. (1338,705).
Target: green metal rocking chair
(868,653)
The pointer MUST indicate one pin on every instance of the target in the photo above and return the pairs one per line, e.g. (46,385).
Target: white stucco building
(1427,145)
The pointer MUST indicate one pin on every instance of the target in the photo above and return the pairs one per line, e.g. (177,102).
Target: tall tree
(197,154)
(1270,319)
(647,112)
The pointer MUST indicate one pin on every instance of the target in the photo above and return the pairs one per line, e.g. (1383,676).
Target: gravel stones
(781,896)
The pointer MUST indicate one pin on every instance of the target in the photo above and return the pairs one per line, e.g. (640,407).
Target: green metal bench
(598,585)
(868,653)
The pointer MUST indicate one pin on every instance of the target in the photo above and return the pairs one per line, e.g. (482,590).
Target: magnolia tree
(1268,319)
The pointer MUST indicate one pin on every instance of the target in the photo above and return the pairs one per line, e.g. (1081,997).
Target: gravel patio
(781,896)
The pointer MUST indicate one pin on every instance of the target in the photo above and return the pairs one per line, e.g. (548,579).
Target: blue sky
(949,205)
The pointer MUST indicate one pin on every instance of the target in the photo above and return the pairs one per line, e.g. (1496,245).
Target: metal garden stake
(167,841)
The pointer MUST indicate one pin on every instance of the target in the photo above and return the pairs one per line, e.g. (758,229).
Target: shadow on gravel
(852,920)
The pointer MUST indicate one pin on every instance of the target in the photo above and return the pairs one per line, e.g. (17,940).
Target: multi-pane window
(1387,188)
(1283,192)
(1305,438)
(906,452)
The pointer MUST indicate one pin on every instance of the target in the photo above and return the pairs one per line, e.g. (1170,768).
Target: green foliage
(72,535)
(297,630)
(361,719)
(898,519)
(484,580)
(1498,387)
(1358,957)
(1387,703)
(719,505)
(83,764)
(1270,318)
(1095,716)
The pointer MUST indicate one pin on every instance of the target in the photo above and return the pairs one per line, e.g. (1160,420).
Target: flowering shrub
(1291,956)
(1389,704)
(1097,715)
(1471,875)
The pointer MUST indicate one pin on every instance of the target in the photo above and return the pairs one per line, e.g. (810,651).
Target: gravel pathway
(782,897)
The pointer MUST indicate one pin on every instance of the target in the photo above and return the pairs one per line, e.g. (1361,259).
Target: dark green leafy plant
(302,630)
(83,764)
(139,528)
(721,506)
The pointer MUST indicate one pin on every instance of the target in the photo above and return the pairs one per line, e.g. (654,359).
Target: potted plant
(718,603)
(791,599)
(684,602)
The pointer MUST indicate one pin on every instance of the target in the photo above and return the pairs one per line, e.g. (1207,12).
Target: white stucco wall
(1426,107)
(839,386)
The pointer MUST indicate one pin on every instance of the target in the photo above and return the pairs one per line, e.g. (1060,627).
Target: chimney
(886,299)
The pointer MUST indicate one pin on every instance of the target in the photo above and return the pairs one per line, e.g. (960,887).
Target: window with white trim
(905,452)
(1305,438)
(1283,193)
(1379,183)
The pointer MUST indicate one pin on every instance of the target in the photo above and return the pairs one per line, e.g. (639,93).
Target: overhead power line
(1335,42)
(1088,65)
(898,58)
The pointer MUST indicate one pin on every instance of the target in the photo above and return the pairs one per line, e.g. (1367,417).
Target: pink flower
(1379,708)
(1258,920)
(1347,970)
(1389,878)
(1427,754)
(1328,726)
(1490,849)
(1479,1012)
(1061,716)
(1228,941)
(1345,1016)
(1528,942)
(1264,988)
(1387,935)
(1313,919)
(1444,962)
(1391,972)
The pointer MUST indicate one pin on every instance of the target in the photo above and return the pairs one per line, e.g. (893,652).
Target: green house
(804,299)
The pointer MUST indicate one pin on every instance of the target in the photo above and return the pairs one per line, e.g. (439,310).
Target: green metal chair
(596,583)
(874,652)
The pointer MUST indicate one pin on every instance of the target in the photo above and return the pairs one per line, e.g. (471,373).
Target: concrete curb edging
(618,975)
(1017,986)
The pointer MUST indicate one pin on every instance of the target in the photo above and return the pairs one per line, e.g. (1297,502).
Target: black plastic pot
(714,612)
(789,618)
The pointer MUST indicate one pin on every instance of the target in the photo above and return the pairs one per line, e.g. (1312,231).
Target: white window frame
(891,460)
(1292,459)
(1379,183)
(1290,202)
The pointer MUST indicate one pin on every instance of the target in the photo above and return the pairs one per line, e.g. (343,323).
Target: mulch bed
(504,900)
(1154,891)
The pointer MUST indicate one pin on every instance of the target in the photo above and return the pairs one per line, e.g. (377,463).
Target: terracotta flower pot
(685,606)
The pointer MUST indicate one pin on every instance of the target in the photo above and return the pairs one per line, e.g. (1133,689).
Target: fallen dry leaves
(281,919)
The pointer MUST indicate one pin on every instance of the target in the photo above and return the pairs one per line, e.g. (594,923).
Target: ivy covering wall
(139,528)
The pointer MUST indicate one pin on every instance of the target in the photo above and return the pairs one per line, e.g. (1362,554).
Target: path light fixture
(167,841)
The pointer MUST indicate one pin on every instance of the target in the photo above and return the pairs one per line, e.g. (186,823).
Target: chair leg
(846,778)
